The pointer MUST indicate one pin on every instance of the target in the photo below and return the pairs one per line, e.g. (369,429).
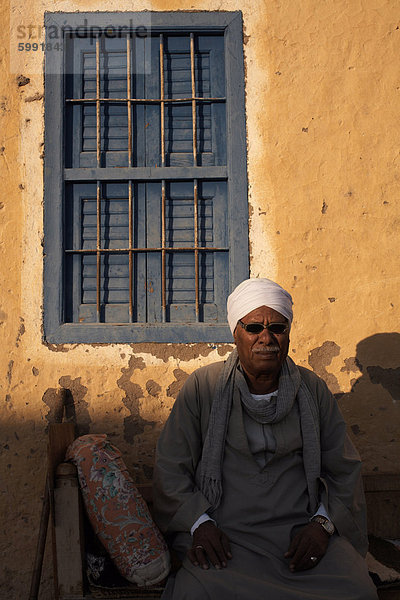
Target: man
(256,482)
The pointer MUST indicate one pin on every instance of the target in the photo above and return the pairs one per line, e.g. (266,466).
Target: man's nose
(266,337)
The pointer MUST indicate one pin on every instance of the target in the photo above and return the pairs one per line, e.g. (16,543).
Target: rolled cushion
(117,511)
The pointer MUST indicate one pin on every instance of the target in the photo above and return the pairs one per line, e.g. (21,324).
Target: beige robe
(261,508)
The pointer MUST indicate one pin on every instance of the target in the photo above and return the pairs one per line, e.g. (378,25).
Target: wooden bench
(382,496)
(382,493)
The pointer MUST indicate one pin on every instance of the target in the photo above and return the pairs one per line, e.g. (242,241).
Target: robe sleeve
(178,502)
(342,489)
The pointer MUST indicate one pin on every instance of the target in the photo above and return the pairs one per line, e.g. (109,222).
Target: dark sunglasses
(274,328)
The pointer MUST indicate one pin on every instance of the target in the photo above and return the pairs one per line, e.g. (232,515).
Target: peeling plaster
(9,371)
(164,352)
(180,378)
(4,104)
(34,98)
(59,347)
(153,388)
(350,365)
(136,362)
(21,332)
(356,430)
(22,80)
(134,424)
(320,358)
(181,352)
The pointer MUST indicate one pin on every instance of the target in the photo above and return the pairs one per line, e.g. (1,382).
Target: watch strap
(325,523)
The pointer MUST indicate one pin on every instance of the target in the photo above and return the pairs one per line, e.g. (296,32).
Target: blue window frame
(146,217)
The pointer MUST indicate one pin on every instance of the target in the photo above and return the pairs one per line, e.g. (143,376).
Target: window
(145,176)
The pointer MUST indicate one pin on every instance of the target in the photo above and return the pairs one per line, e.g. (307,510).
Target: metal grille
(162,101)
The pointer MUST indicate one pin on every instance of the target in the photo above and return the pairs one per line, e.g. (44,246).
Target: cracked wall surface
(322,97)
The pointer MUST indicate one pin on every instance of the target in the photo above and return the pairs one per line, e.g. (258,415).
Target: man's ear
(234,335)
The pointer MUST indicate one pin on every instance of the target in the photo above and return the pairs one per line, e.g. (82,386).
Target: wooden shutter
(145,217)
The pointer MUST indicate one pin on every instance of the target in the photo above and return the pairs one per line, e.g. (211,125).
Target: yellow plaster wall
(322,97)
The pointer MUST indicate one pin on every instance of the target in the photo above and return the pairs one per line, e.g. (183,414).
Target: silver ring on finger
(199,547)
(313,558)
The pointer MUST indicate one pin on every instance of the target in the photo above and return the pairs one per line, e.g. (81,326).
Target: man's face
(265,352)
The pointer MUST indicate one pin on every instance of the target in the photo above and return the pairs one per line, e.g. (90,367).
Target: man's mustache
(266,349)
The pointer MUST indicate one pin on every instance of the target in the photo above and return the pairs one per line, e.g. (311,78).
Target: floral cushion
(117,511)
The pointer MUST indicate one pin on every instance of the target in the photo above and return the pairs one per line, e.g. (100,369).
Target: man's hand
(307,547)
(210,543)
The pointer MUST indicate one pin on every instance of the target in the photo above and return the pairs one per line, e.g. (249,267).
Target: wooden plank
(68,532)
(143,22)
(382,493)
(389,594)
(236,154)
(383,513)
(61,435)
(183,333)
(145,173)
(379,482)
(53,211)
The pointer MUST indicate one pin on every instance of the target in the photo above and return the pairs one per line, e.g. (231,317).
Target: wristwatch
(325,523)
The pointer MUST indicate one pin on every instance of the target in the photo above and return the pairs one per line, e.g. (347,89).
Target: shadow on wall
(68,404)
(372,406)
(384,349)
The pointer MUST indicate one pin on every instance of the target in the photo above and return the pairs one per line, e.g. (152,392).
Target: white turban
(256,292)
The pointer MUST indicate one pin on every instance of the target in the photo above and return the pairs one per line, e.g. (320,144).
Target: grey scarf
(291,388)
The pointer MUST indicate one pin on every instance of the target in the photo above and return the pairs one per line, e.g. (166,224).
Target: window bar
(194,120)
(130,163)
(162,100)
(147,249)
(147,100)
(98,122)
(195,186)
(162,117)
(98,206)
(129,92)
